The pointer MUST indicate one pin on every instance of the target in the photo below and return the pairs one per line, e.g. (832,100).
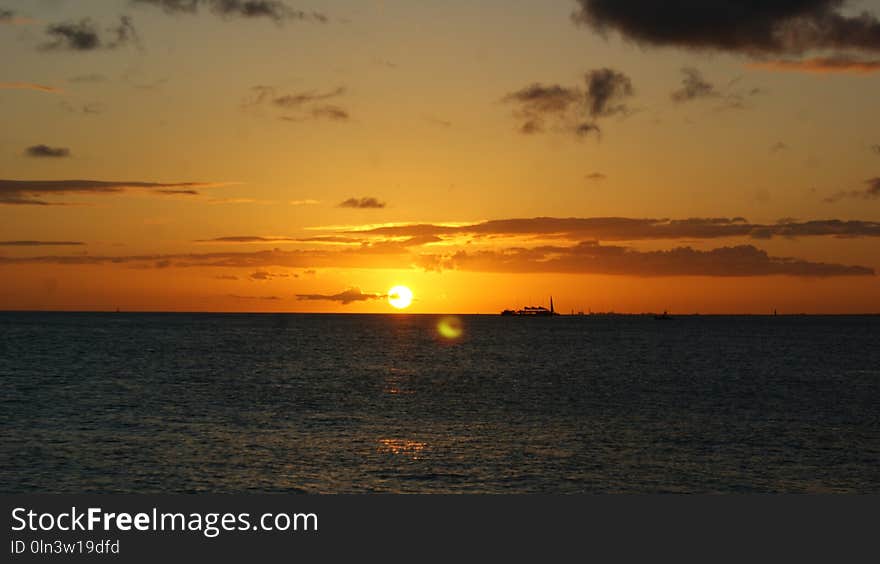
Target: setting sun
(400,297)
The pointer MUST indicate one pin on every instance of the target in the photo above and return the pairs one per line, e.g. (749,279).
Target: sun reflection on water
(402,447)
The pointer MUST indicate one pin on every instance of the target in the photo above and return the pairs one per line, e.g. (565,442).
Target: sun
(400,297)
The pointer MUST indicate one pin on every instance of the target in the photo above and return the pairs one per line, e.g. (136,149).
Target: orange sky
(486,155)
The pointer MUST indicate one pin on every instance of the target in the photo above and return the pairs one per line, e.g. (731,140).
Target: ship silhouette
(532,311)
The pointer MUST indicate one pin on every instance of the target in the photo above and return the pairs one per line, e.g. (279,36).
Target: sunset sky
(258,155)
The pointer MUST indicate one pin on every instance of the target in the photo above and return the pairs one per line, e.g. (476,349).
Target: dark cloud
(40,243)
(606,90)
(225,277)
(822,65)
(362,203)
(171,192)
(45,151)
(596,176)
(571,108)
(872,192)
(30,192)
(240,297)
(693,86)
(630,229)
(754,27)
(592,258)
(876,149)
(271,9)
(6,16)
(349,296)
(85,36)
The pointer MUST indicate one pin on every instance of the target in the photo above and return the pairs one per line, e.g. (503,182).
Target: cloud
(246,239)
(348,296)
(171,192)
(30,192)
(596,176)
(606,88)
(310,104)
(778,147)
(225,277)
(271,9)
(85,36)
(362,203)
(45,151)
(437,121)
(91,78)
(334,113)
(753,27)
(872,192)
(590,257)
(299,99)
(266,275)
(92,108)
(821,65)
(257,239)
(583,257)
(8,17)
(40,243)
(634,229)
(876,149)
(30,86)
(693,86)
(572,109)
(240,297)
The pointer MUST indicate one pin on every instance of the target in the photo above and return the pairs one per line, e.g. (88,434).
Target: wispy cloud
(260,239)
(91,78)
(635,229)
(694,86)
(274,10)
(596,176)
(41,243)
(298,106)
(45,151)
(347,297)
(33,192)
(264,298)
(872,192)
(30,86)
(364,203)
(821,65)
(263,275)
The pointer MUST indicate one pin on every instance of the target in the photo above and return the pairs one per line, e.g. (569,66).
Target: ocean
(239,403)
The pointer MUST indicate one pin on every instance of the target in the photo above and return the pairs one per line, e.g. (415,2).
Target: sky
(259,155)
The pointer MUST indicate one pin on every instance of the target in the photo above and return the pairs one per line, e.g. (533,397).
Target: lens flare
(450,328)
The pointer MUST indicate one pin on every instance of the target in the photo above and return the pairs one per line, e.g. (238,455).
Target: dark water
(324,403)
